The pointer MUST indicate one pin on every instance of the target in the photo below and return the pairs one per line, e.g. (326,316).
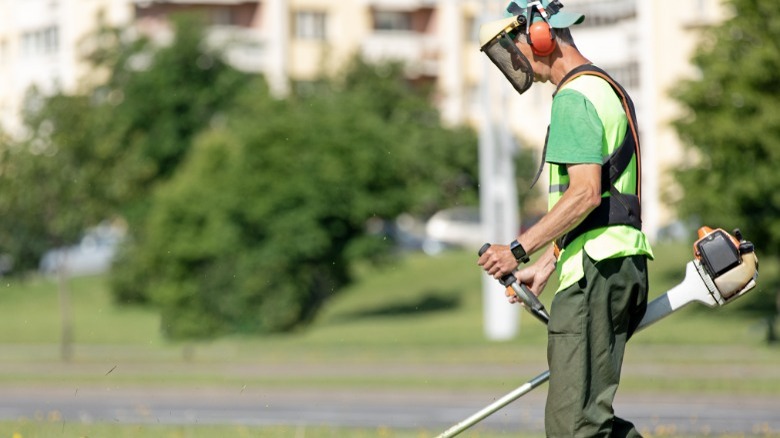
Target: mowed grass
(419,314)
(414,325)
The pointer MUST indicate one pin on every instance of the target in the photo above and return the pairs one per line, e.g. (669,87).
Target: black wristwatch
(519,252)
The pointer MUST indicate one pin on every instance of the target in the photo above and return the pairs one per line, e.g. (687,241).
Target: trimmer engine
(726,263)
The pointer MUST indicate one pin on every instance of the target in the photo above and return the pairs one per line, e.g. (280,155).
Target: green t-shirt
(588,123)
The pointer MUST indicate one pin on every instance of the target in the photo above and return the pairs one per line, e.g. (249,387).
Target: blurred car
(92,255)
(454,227)
(461,227)
(406,231)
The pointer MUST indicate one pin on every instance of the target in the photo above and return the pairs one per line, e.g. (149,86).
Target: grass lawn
(416,324)
(421,310)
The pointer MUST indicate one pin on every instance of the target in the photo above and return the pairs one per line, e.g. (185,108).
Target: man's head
(520,44)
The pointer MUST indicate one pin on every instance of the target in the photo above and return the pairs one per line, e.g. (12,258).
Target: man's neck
(570,59)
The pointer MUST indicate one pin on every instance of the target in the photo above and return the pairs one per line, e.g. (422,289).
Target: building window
(310,25)
(39,42)
(392,20)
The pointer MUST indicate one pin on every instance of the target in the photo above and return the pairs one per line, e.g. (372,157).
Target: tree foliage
(100,153)
(732,131)
(245,212)
(42,178)
(262,223)
(153,103)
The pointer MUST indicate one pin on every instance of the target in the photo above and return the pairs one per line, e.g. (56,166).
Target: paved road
(710,415)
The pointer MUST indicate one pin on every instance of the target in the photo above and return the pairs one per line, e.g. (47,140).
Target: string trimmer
(724,268)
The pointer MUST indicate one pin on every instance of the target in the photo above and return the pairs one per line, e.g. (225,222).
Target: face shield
(501,49)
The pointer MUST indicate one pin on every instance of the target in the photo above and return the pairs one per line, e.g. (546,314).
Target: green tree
(155,101)
(152,105)
(42,178)
(732,131)
(105,150)
(266,216)
(245,212)
(90,156)
(46,199)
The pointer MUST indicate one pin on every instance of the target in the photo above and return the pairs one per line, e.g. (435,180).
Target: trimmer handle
(522,292)
(507,279)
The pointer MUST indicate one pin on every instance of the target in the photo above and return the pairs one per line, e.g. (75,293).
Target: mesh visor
(508,58)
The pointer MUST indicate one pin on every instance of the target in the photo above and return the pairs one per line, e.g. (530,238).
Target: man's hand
(535,277)
(498,261)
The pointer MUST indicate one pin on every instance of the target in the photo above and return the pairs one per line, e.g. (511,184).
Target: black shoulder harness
(618,208)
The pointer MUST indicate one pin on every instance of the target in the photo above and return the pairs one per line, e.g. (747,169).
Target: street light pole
(498,194)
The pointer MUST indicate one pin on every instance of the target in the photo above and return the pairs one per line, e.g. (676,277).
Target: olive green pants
(588,329)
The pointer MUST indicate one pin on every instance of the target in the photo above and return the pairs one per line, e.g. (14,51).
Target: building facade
(40,46)
(644,45)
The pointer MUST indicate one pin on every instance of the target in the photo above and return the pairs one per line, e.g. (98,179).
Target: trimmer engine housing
(727,264)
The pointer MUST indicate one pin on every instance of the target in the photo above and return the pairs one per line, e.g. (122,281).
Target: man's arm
(582,196)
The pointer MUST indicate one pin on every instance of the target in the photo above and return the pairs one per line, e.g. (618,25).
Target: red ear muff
(541,38)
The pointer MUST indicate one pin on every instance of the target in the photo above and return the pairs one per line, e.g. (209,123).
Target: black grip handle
(522,293)
(507,279)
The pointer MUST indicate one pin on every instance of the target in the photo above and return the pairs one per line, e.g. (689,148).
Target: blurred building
(40,43)
(645,45)
(294,41)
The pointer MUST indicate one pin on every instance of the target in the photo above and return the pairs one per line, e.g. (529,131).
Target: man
(599,251)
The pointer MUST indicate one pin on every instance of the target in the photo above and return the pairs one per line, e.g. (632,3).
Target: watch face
(518,251)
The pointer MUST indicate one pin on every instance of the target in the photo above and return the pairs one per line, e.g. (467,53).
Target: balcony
(244,49)
(230,27)
(146,3)
(600,13)
(399,5)
(216,12)
(420,52)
